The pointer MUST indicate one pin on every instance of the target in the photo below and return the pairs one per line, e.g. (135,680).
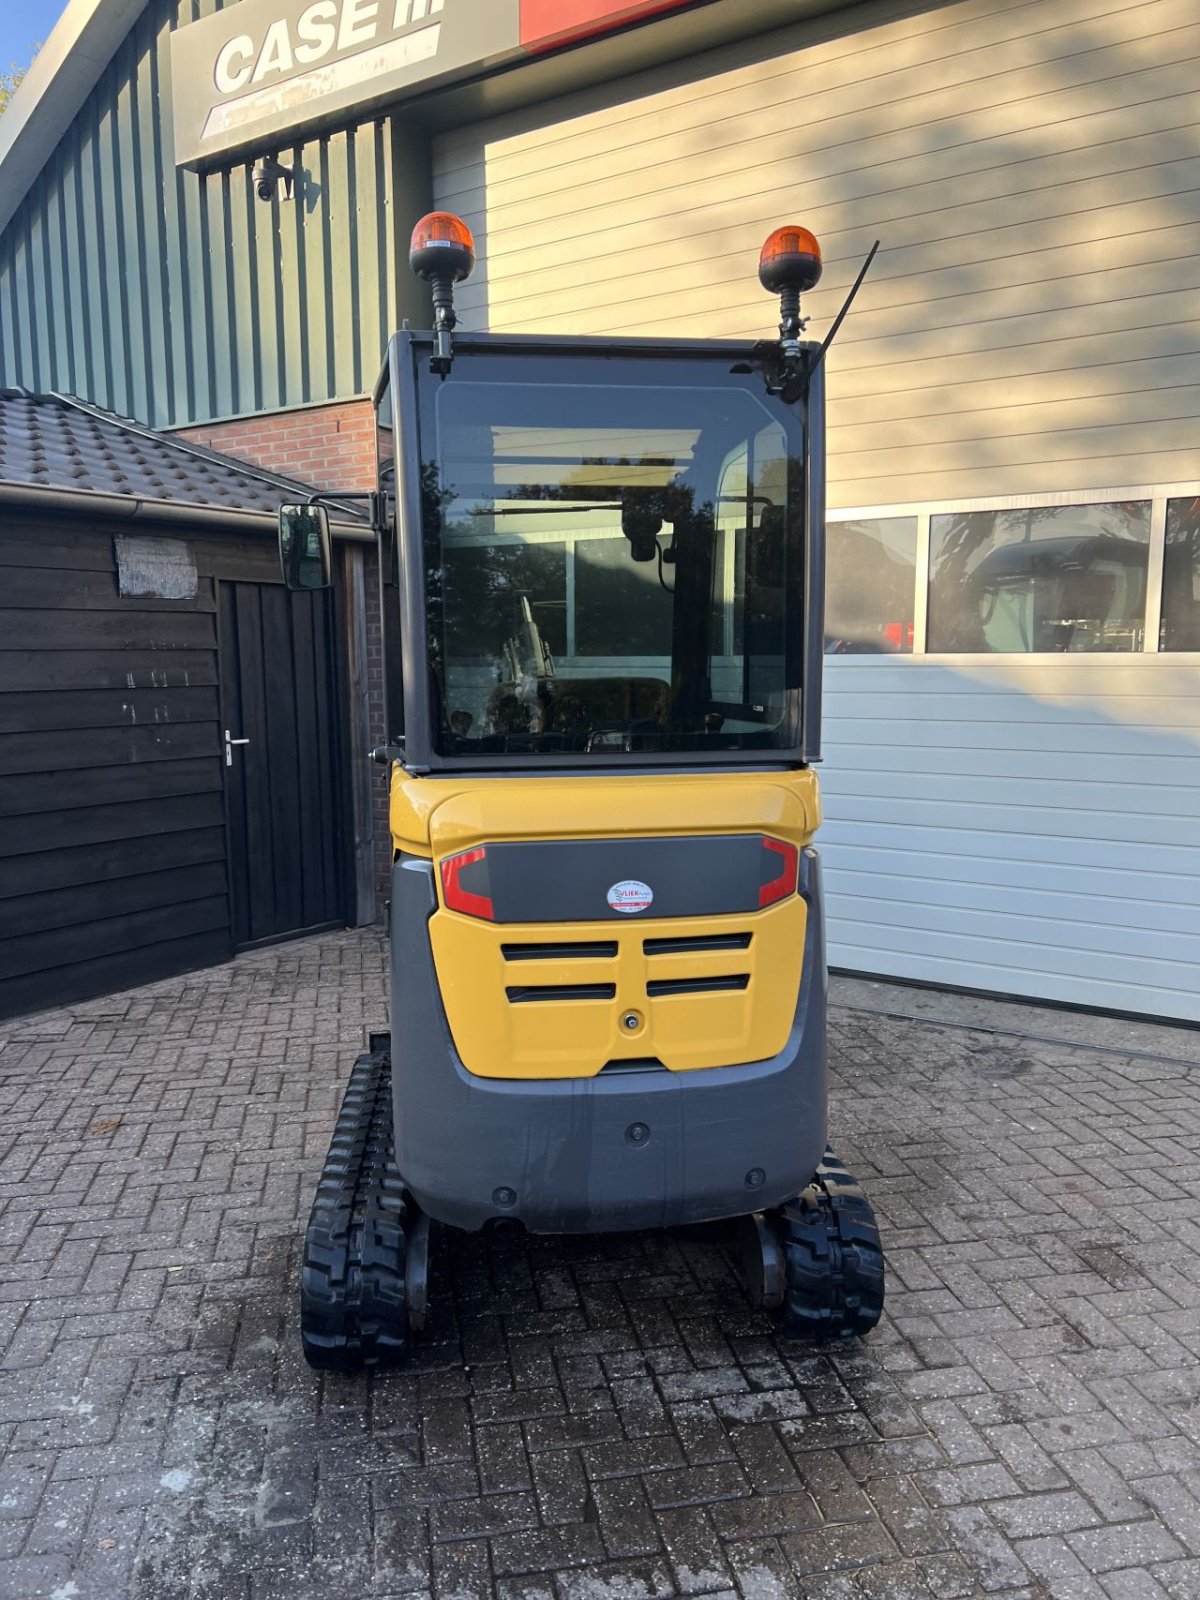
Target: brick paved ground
(597,1420)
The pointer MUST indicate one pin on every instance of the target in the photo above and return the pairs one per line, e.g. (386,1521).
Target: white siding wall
(1029,825)
(1032,326)
(1033,319)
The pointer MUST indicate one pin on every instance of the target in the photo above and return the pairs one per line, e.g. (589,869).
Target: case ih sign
(257,72)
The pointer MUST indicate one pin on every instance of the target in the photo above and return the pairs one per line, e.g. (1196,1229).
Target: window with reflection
(385,483)
(1181,577)
(611,569)
(870,586)
(1054,579)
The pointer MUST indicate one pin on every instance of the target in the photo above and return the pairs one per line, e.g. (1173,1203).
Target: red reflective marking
(547,24)
(456,897)
(900,634)
(779,888)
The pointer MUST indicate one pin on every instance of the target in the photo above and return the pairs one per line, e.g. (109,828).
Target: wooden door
(282,762)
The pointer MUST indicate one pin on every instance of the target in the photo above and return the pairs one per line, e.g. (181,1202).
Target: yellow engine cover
(577,1037)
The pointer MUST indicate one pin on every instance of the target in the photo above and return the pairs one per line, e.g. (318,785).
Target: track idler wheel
(817,1261)
(363,1231)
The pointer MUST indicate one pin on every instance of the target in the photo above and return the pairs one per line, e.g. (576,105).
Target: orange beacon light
(790,259)
(442,252)
(442,246)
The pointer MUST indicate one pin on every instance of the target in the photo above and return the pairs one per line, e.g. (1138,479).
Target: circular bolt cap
(631,1021)
(637,1133)
(755,1178)
(504,1197)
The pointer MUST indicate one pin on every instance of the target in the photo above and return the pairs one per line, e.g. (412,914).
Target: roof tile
(57,442)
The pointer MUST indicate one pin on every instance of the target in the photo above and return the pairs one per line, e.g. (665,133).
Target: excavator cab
(601,568)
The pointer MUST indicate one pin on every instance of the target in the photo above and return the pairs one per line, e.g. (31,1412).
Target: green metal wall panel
(175,298)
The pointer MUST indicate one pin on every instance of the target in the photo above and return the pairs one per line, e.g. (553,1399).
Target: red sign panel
(547,24)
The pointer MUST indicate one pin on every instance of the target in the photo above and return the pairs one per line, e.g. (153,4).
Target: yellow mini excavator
(602,579)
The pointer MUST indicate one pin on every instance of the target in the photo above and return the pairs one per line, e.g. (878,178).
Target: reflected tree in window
(1041,578)
(1181,577)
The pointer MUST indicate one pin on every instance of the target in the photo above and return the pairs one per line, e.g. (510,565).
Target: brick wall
(331,447)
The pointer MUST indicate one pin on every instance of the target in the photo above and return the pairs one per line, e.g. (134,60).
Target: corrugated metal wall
(173,298)
(1031,322)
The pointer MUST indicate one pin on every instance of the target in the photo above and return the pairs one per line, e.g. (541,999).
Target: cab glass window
(385,483)
(1041,578)
(610,569)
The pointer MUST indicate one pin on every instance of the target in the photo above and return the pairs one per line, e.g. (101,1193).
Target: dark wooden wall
(112,824)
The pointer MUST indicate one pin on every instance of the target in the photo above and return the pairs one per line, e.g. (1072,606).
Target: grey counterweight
(625,1149)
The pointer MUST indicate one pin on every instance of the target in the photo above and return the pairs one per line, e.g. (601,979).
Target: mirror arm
(373,500)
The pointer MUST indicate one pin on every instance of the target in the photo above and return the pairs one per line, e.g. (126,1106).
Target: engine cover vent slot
(659,987)
(697,945)
(527,993)
(581,951)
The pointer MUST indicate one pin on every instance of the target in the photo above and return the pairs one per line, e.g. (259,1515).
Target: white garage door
(1012,773)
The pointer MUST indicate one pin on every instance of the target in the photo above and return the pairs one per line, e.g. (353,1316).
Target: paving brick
(1024,1457)
(620,1580)
(548,1550)
(967,1485)
(463,1571)
(903,1511)
(588,1416)
(1130,1544)
(626,1522)
(622,1459)
(832,1486)
(752,1518)
(977,1539)
(561,1485)
(694,1550)
(763,1459)
(836,1546)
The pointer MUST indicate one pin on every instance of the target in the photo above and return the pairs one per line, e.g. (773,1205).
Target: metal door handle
(230,741)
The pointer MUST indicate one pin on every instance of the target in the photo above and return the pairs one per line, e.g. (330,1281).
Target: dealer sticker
(630,896)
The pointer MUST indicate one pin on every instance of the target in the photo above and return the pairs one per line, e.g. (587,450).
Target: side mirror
(305,549)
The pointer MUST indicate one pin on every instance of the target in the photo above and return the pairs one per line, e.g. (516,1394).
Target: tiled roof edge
(200,452)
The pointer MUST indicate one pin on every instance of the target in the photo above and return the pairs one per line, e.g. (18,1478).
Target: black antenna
(841,316)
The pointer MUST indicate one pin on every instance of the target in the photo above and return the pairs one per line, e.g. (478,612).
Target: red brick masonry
(332,447)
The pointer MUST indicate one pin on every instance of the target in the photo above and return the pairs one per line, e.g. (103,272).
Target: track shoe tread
(352,1302)
(833,1259)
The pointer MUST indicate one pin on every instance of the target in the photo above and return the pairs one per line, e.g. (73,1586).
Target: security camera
(269,173)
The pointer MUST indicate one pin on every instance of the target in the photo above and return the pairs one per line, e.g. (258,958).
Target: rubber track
(352,1309)
(834,1260)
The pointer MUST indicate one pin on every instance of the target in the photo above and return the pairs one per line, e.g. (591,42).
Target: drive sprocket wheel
(353,1307)
(833,1260)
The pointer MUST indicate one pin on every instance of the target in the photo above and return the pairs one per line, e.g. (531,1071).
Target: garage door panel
(1097,922)
(1118,988)
(1102,827)
(1024,793)
(850,764)
(933,838)
(1167,899)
